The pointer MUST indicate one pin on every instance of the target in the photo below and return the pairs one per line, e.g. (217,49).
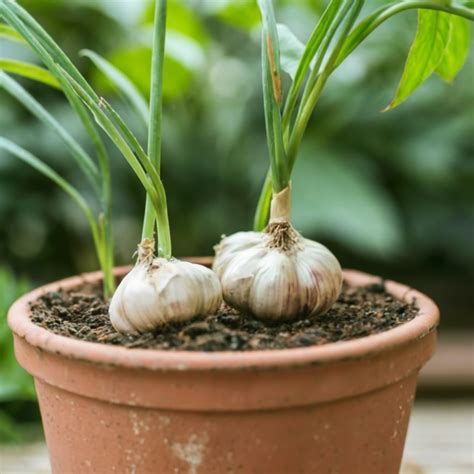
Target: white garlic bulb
(277,274)
(158,291)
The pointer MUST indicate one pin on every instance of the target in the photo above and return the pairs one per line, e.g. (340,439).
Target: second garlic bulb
(277,274)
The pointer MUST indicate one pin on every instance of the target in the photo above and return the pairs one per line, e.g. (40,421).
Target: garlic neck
(146,251)
(280,233)
(280,210)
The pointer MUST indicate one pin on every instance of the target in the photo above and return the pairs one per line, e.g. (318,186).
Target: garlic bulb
(158,291)
(277,274)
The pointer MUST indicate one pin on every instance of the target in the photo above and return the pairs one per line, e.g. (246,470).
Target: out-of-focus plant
(15,383)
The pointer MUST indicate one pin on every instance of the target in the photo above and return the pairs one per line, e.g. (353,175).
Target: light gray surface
(440,441)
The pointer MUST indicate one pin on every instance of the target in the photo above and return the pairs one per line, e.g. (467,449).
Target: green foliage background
(390,193)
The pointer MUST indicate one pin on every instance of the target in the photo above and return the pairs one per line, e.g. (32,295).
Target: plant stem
(154,133)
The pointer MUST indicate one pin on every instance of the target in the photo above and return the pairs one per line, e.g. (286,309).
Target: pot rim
(22,326)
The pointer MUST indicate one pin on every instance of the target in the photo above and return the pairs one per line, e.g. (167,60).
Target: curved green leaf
(54,57)
(30,71)
(115,133)
(81,157)
(385,12)
(121,82)
(431,40)
(45,170)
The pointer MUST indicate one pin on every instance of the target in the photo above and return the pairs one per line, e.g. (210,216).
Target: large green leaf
(242,14)
(456,52)
(291,50)
(137,62)
(30,71)
(426,53)
(347,204)
(181,19)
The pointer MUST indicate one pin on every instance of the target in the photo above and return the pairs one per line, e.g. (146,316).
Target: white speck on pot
(191,452)
(163,421)
(135,423)
(327,426)
(138,425)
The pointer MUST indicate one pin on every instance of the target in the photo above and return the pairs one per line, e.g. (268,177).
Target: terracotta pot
(337,408)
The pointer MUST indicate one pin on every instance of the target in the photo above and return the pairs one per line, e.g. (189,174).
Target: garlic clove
(232,245)
(275,289)
(321,283)
(238,277)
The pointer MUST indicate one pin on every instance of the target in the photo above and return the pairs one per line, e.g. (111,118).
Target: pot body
(339,408)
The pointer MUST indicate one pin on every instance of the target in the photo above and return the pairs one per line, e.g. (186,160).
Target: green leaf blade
(29,71)
(272,94)
(430,43)
(36,163)
(457,49)
(53,57)
(10,34)
(84,161)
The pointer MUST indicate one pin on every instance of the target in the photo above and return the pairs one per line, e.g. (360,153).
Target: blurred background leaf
(16,386)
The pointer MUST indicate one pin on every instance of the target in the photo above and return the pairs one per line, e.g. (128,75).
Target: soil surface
(359,312)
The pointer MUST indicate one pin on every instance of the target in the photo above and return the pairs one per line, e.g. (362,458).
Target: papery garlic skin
(274,284)
(160,291)
(277,274)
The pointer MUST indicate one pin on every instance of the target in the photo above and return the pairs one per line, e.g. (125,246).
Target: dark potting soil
(359,312)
